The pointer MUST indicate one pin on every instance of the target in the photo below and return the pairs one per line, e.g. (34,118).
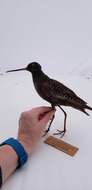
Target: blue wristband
(19,149)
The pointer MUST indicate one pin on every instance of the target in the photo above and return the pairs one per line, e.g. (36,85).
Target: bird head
(31,67)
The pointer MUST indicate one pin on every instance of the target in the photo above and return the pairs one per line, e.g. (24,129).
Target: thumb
(47,117)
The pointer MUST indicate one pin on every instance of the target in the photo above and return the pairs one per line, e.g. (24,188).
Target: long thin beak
(15,70)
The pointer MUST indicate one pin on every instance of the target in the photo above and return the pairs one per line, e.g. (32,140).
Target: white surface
(54,32)
(57,34)
(48,168)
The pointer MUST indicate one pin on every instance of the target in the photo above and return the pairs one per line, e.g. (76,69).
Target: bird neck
(39,76)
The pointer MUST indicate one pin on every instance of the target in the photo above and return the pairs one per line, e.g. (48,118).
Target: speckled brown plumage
(54,92)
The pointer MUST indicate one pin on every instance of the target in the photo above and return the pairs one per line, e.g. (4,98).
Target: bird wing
(59,93)
(67,94)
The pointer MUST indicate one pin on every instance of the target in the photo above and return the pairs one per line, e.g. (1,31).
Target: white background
(57,34)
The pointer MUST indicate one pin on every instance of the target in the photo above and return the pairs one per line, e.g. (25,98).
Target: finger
(42,109)
(44,113)
(45,119)
(38,110)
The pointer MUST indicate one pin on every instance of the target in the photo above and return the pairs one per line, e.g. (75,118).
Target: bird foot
(59,132)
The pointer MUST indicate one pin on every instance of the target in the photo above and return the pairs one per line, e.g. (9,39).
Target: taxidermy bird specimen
(54,92)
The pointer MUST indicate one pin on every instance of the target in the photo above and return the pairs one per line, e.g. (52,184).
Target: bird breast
(43,89)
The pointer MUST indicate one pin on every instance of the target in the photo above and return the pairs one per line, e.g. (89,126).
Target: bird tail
(83,110)
(86,107)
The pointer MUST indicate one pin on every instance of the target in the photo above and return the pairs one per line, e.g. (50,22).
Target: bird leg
(48,129)
(59,131)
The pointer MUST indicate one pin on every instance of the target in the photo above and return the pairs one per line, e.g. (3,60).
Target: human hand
(32,124)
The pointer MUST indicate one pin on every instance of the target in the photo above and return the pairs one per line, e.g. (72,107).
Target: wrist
(25,145)
(8,150)
(8,161)
(19,150)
